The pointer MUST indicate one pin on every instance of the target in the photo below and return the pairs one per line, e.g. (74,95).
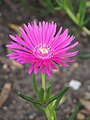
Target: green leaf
(88,4)
(59,2)
(88,118)
(35,86)
(50,5)
(48,91)
(58,95)
(28,98)
(57,8)
(63,91)
(54,115)
(41,109)
(84,56)
(86,21)
(75,112)
(81,12)
(41,95)
(66,3)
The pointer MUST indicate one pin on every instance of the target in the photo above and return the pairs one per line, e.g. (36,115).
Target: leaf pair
(29,98)
(81,12)
(35,102)
(40,102)
(48,91)
(57,98)
(64,4)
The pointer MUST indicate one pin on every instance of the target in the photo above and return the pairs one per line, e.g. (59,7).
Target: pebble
(14,102)
(32,116)
(6,77)
(5,108)
(5,66)
(55,71)
(75,84)
(87,95)
(83,34)
(80,116)
(75,65)
(88,87)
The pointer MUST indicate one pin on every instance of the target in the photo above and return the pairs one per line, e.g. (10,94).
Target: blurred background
(71,14)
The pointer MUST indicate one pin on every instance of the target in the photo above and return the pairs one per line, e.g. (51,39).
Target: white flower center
(43,50)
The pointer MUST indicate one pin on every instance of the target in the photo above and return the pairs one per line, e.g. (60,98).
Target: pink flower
(42,47)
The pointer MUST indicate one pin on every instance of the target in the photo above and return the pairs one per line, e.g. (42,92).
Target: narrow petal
(43,69)
(31,68)
(66,49)
(48,71)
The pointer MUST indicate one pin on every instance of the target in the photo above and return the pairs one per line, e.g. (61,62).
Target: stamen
(43,50)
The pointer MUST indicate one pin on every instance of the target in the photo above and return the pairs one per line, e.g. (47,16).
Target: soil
(10,72)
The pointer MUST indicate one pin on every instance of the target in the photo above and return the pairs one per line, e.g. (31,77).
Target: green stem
(50,113)
(86,30)
(49,110)
(43,85)
(74,19)
(71,15)
(43,82)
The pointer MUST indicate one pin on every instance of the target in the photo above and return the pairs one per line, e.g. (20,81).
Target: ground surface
(16,78)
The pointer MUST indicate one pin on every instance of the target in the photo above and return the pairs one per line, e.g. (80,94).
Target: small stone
(88,87)
(75,65)
(6,77)
(32,116)
(5,66)
(14,102)
(75,84)
(87,95)
(85,103)
(55,71)
(5,108)
(5,93)
(80,116)
(83,34)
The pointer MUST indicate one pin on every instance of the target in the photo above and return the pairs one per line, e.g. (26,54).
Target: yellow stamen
(43,50)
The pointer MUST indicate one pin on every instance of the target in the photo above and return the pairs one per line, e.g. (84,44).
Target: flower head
(42,47)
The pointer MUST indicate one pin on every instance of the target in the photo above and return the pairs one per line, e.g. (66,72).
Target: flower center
(43,50)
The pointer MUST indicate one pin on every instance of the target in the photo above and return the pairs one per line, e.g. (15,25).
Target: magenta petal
(43,69)
(31,68)
(48,71)
(35,70)
(42,47)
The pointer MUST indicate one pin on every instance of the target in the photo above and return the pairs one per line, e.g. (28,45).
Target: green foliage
(29,98)
(58,96)
(75,112)
(67,6)
(81,12)
(41,95)
(40,108)
(47,4)
(84,56)
(48,91)
(46,103)
(88,118)
(63,3)
(35,85)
